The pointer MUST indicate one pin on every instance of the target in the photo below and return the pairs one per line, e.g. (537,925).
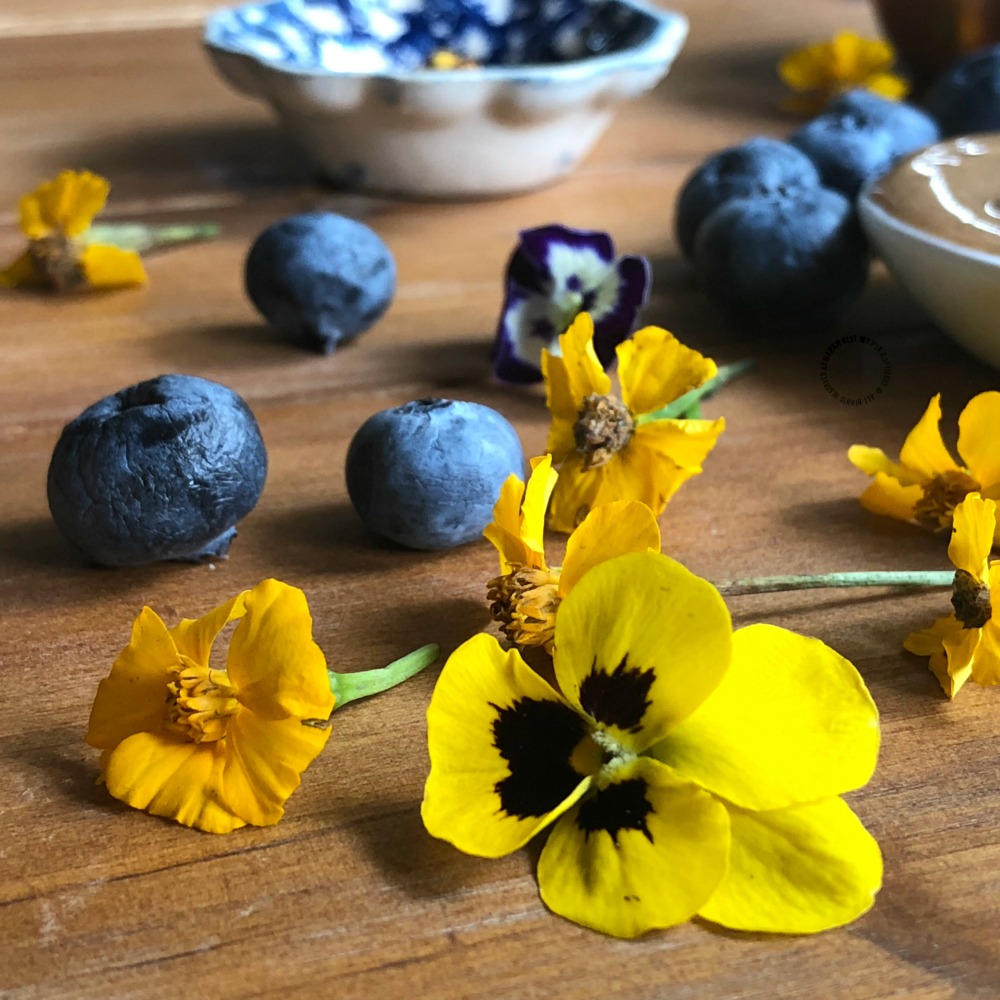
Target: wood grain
(347,896)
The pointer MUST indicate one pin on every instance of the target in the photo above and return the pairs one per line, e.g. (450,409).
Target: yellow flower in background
(927,484)
(609,449)
(215,748)
(684,769)
(525,596)
(55,217)
(822,71)
(966,643)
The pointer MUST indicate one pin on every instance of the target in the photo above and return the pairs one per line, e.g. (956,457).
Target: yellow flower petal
(887,85)
(21,274)
(640,643)
(929,640)
(655,368)
(887,496)
(132,699)
(178,780)
(111,267)
(681,443)
(791,721)
(274,663)
(539,489)
(986,655)
(194,637)
(977,439)
(797,871)
(67,204)
(951,648)
(500,742)
(924,453)
(613,529)
(629,475)
(645,852)
(805,69)
(504,531)
(972,536)
(871,461)
(264,761)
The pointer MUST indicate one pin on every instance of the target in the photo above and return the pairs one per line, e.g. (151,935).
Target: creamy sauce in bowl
(950,190)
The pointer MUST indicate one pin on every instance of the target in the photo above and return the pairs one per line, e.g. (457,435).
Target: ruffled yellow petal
(972,536)
(924,453)
(264,762)
(132,699)
(275,666)
(504,531)
(500,741)
(872,461)
(978,426)
(959,649)
(66,205)
(194,637)
(887,85)
(629,475)
(539,489)
(677,447)
(799,870)
(929,640)
(858,58)
(111,267)
(640,643)
(986,657)
(805,69)
(655,368)
(645,852)
(613,529)
(177,780)
(887,496)
(21,274)
(791,722)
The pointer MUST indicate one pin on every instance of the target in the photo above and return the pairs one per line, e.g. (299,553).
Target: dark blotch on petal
(536,738)
(619,698)
(621,806)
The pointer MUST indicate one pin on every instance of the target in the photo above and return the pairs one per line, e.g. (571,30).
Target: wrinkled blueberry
(783,263)
(966,97)
(860,135)
(320,278)
(759,166)
(160,470)
(427,474)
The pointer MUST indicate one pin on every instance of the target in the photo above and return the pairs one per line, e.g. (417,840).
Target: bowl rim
(871,210)
(670,29)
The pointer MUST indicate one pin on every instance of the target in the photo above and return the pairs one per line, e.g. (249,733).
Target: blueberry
(860,135)
(160,470)
(427,474)
(320,278)
(759,166)
(966,97)
(782,263)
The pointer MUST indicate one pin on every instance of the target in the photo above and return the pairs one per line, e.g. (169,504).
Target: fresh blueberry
(320,278)
(160,470)
(427,474)
(783,263)
(966,97)
(759,166)
(860,135)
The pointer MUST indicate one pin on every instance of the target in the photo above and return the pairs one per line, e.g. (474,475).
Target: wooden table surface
(347,896)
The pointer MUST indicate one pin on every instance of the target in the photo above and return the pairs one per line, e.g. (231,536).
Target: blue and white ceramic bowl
(350,79)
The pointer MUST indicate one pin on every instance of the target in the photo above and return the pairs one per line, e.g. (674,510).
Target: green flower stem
(878,578)
(141,238)
(687,405)
(350,687)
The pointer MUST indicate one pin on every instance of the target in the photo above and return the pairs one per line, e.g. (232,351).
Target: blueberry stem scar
(350,687)
(878,578)
(687,405)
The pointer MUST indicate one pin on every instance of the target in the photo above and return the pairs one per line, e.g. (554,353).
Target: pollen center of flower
(603,428)
(524,602)
(57,259)
(942,495)
(199,703)
(613,754)
(971,600)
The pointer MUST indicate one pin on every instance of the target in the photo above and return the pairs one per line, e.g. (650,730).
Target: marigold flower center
(199,703)
(524,602)
(942,495)
(57,259)
(971,600)
(603,428)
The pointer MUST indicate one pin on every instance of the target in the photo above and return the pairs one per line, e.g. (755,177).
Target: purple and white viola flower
(554,274)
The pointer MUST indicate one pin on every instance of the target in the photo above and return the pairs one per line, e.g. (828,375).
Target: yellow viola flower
(609,449)
(927,484)
(55,217)
(966,643)
(525,596)
(215,748)
(821,71)
(684,769)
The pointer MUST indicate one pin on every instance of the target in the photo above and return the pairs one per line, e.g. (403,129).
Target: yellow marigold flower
(686,770)
(55,217)
(822,71)
(927,484)
(525,596)
(609,449)
(215,748)
(966,643)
